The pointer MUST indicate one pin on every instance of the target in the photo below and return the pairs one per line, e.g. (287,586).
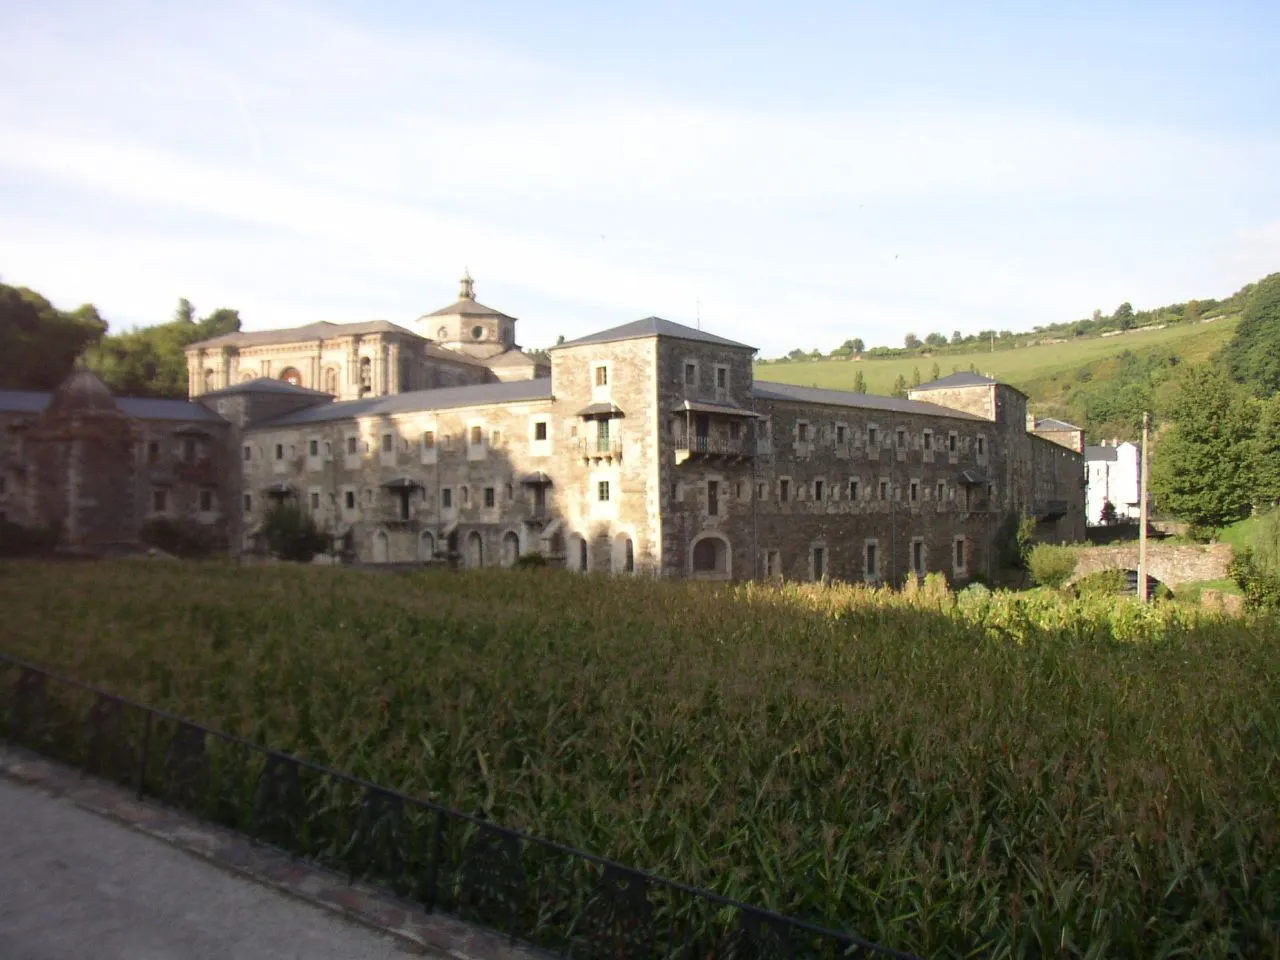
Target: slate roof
(1100,453)
(1052,425)
(511,358)
(864,401)
(443,398)
(266,385)
(651,327)
(466,308)
(139,408)
(321,330)
(962,378)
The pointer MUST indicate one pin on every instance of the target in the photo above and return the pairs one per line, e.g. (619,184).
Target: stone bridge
(1171,565)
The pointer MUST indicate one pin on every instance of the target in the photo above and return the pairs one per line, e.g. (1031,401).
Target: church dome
(82,392)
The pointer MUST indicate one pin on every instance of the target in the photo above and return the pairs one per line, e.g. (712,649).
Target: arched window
(331,380)
(442,333)
(582,555)
(292,376)
(629,557)
(426,545)
(510,549)
(477,332)
(209,380)
(247,376)
(710,557)
(475,550)
(366,376)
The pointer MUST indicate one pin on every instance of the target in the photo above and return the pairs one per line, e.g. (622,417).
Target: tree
(796,354)
(911,341)
(186,313)
(1108,516)
(1253,354)
(957,338)
(1096,317)
(936,339)
(859,383)
(853,346)
(915,377)
(1201,467)
(39,343)
(1124,316)
(1266,452)
(899,387)
(1191,312)
(559,339)
(935,372)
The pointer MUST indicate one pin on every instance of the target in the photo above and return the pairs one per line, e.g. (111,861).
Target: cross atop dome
(468,291)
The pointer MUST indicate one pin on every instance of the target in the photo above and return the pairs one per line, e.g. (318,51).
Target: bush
(19,541)
(292,535)
(1107,583)
(1199,533)
(182,538)
(1051,566)
(1261,589)
(531,560)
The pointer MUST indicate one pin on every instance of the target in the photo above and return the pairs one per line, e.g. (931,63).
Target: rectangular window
(540,430)
(313,448)
(495,438)
(884,489)
(784,490)
(602,491)
(917,557)
(819,563)
(853,489)
(772,563)
(982,446)
(602,376)
(464,495)
(675,493)
(428,439)
(690,374)
(403,506)
(915,491)
(735,430)
(818,490)
(188,450)
(722,377)
(353,445)
(477,436)
(279,451)
(928,440)
(446,498)
(248,503)
(713,498)
(872,437)
(386,443)
(951,442)
(872,559)
(959,554)
(802,431)
(839,433)
(159,500)
(942,490)
(248,453)
(762,491)
(206,501)
(902,438)
(315,500)
(349,499)
(489,497)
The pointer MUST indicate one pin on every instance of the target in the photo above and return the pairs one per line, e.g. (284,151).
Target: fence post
(146,755)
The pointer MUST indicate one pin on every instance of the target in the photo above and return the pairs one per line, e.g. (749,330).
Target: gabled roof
(513,358)
(444,398)
(1054,425)
(138,408)
(962,378)
(652,327)
(1100,453)
(322,330)
(864,401)
(266,385)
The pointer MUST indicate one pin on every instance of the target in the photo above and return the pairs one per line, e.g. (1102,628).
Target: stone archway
(710,558)
(510,548)
(1171,565)
(475,550)
(426,546)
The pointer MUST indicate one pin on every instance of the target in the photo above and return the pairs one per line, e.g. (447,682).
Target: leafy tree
(1124,316)
(957,338)
(854,346)
(559,339)
(292,534)
(935,372)
(915,377)
(1253,355)
(936,339)
(859,383)
(39,343)
(911,341)
(899,387)
(796,354)
(1096,317)
(1201,466)
(1266,452)
(185,313)
(1108,515)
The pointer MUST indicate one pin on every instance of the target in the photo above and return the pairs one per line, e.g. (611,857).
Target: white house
(1113,473)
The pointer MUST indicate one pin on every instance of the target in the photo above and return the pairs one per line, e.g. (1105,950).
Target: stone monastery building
(645,448)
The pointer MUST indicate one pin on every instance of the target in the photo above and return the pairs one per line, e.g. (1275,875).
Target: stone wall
(1171,565)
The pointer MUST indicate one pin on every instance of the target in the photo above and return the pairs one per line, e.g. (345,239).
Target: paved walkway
(86,870)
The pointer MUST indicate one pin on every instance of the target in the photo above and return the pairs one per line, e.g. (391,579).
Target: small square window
(428,439)
(489,497)
(386,443)
(206,501)
(159,500)
(477,436)
(602,491)
(446,498)
(540,430)
(279,451)
(313,448)
(315,500)
(602,376)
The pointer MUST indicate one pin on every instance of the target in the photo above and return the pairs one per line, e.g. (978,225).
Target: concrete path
(74,884)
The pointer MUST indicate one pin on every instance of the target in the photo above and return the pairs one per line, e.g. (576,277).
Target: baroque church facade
(644,448)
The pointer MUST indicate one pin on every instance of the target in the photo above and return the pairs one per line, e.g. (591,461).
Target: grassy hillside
(1028,368)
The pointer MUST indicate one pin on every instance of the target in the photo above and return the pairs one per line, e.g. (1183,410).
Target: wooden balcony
(718,448)
(604,448)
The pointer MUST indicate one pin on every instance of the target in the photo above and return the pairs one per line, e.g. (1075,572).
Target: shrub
(182,538)
(1051,566)
(1107,583)
(1261,589)
(1198,533)
(292,535)
(19,541)
(531,560)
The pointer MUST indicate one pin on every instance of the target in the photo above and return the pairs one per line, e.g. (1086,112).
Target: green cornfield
(1013,775)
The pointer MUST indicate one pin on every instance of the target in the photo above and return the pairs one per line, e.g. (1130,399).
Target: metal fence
(541,893)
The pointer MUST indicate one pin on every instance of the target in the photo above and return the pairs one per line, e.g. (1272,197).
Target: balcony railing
(691,446)
(600,448)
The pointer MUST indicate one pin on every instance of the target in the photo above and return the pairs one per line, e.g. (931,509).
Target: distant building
(1060,432)
(1113,474)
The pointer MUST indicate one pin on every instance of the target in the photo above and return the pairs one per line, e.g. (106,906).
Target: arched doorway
(709,558)
(331,380)
(584,555)
(291,376)
(510,549)
(624,554)
(366,376)
(475,550)
(381,547)
(426,546)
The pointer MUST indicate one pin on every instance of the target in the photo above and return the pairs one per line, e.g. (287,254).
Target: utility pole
(1142,523)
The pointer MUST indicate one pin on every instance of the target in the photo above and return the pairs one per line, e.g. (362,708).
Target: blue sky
(798,174)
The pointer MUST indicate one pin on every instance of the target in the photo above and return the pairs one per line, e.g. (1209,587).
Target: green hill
(1074,378)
